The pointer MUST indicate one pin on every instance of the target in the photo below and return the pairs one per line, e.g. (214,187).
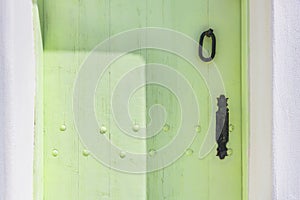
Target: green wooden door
(159,92)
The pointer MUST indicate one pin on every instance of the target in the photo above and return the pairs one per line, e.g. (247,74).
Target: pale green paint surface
(39,104)
(71,28)
(245,94)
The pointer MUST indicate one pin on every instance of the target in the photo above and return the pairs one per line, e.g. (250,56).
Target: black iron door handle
(209,33)
(222,127)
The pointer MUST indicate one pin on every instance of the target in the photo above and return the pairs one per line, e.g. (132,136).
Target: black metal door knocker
(209,33)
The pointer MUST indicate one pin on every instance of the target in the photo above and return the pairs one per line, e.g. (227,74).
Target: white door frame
(260,99)
(17,89)
(16,99)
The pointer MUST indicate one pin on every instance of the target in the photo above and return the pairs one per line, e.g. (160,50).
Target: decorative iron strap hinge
(222,126)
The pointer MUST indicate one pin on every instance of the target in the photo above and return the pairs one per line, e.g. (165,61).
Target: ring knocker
(209,33)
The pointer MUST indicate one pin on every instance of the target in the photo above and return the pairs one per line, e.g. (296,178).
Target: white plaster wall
(17,86)
(286,100)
